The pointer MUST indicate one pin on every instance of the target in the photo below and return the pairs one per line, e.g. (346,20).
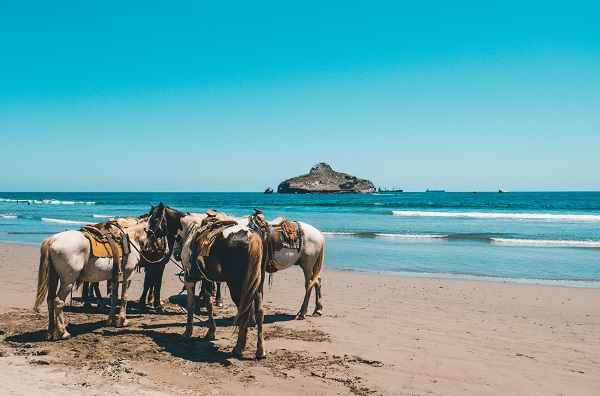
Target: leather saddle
(108,240)
(278,234)
(203,241)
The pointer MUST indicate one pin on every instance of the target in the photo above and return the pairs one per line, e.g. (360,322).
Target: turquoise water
(533,237)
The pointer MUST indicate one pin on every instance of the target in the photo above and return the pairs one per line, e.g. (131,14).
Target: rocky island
(324,180)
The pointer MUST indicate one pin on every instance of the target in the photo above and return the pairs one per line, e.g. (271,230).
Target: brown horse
(236,257)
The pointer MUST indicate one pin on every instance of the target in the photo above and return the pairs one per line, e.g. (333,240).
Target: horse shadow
(197,350)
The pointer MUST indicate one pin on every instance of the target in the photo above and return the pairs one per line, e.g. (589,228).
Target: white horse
(309,258)
(67,257)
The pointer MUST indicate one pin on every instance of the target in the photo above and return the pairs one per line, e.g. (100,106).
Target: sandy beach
(378,335)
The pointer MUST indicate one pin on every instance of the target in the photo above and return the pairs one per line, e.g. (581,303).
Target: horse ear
(161,206)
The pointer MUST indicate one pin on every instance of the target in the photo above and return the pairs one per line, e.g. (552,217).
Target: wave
(410,236)
(545,242)
(366,234)
(8,216)
(48,201)
(60,221)
(486,238)
(498,215)
(98,216)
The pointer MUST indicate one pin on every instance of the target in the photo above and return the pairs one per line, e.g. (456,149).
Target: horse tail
(317,268)
(43,272)
(252,282)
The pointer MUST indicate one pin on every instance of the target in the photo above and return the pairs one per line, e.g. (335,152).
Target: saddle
(109,240)
(278,234)
(203,241)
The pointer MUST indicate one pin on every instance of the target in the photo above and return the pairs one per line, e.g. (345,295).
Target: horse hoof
(237,352)
(300,316)
(219,304)
(187,335)
(317,313)
(65,336)
(160,310)
(122,323)
(209,337)
(261,355)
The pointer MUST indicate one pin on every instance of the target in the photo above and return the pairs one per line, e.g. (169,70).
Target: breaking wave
(48,201)
(60,221)
(486,238)
(492,215)
(545,243)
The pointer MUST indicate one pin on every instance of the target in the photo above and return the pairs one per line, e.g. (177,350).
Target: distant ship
(389,191)
(502,191)
(428,190)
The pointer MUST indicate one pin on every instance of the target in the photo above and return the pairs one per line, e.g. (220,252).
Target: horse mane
(135,231)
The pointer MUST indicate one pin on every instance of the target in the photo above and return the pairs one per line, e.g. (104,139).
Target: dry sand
(378,335)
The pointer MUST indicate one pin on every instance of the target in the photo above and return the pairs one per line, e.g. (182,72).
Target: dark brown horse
(236,257)
(154,258)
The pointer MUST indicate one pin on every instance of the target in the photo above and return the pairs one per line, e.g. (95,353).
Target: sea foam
(60,221)
(546,243)
(491,215)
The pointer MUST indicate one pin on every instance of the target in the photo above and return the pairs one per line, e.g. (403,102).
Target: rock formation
(323,179)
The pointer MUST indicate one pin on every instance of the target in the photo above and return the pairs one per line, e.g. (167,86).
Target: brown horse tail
(317,268)
(43,273)
(251,283)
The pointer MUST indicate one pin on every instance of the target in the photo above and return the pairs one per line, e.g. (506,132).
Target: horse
(66,257)
(309,257)
(154,259)
(236,257)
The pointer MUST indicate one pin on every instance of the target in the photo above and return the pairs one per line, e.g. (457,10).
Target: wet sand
(378,335)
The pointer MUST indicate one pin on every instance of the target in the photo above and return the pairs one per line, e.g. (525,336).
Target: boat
(389,191)
(502,191)
(428,190)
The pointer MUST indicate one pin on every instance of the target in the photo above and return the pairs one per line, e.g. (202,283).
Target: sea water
(531,237)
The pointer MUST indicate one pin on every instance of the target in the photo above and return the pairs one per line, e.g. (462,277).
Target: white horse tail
(43,273)
(252,282)
(317,268)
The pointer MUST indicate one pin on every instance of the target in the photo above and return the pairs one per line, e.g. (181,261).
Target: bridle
(157,237)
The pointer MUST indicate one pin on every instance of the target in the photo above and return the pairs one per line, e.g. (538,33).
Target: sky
(239,96)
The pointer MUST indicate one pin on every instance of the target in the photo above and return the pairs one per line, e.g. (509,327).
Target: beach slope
(378,335)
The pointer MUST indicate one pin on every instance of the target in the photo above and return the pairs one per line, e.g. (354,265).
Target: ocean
(523,237)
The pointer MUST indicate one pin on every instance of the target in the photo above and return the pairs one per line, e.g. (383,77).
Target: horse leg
(218,299)
(60,332)
(212,326)
(307,275)
(114,296)
(122,318)
(144,296)
(318,303)
(158,304)
(190,287)
(240,345)
(99,299)
(85,296)
(52,286)
(260,316)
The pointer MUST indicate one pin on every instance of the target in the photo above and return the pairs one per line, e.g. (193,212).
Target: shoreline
(387,335)
(575,283)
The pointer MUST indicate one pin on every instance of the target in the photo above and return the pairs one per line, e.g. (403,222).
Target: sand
(379,335)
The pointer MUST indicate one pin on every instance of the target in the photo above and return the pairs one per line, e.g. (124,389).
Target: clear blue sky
(238,96)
